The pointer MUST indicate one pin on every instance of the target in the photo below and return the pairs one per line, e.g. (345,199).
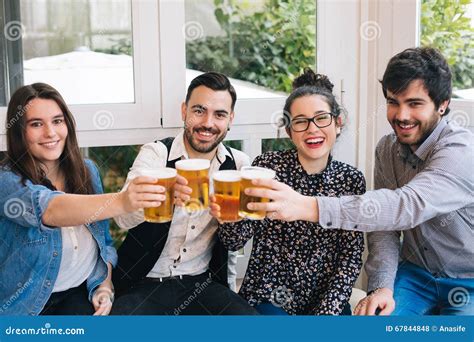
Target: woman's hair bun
(311,79)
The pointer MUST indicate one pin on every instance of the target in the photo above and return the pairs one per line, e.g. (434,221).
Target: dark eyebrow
(315,113)
(415,99)
(222,111)
(38,119)
(198,106)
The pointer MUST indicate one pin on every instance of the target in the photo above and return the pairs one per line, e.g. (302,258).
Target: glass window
(82,48)
(114,163)
(449,26)
(280,144)
(261,44)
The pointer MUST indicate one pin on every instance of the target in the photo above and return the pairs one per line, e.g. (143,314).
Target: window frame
(147,88)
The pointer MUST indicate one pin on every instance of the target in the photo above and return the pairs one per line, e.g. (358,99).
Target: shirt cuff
(380,280)
(329,212)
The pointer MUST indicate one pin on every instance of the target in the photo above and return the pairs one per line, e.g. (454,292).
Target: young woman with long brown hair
(55,247)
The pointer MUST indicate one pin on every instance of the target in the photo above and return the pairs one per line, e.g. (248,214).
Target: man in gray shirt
(423,173)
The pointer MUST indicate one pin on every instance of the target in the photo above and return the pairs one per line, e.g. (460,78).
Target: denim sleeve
(24,204)
(98,188)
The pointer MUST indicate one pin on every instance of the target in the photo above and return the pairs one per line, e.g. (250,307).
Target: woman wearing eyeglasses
(297,267)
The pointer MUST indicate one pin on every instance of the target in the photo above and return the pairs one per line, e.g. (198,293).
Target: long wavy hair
(20,160)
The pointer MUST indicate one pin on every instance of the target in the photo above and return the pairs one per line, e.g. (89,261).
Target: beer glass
(196,171)
(166,178)
(227,193)
(249,173)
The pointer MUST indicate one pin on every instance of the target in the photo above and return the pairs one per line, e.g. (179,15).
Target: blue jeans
(418,292)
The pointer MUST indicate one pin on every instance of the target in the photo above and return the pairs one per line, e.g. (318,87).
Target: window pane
(449,26)
(262,43)
(82,48)
(114,163)
(280,144)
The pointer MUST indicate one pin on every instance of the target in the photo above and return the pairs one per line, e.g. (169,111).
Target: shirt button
(174,266)
(75,247)
(55,254)
(355,227)
(48,283)
(425,248)
(192,227)
(329,224)
(184,250)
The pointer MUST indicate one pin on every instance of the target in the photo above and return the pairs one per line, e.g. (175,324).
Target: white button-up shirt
(188,249)
(78,259)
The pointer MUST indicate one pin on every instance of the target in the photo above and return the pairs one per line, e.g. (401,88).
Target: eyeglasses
(302,124)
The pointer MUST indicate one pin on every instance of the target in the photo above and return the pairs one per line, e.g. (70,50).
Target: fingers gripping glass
(302,124)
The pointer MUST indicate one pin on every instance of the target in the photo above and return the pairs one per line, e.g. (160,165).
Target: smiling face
(46,131)
(412,114)
(314,145)
(207,117)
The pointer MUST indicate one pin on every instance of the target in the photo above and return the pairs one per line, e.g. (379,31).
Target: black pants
(191,295)
(74,301)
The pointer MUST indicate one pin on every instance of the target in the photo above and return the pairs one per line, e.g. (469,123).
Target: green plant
(113,163)
(122,46)
(268,47)
(444,25)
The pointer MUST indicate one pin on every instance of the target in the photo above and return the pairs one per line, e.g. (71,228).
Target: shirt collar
(422,151)
(178,150)
(427,145)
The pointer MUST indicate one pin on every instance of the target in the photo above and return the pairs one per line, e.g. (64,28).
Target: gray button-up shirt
(427,194)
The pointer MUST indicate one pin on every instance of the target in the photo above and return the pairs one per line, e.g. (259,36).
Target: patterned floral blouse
(298,265)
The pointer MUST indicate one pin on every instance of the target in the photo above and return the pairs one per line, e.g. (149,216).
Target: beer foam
(162,173)
(226,176)
(255,172)
(192,164)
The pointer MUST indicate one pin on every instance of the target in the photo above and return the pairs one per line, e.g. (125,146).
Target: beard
(203,147)
(415,139)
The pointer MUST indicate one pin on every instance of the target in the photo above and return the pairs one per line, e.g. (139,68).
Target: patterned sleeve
(348,263)
(234,236)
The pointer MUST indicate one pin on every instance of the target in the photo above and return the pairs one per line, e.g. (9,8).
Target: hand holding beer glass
(226,196)
(196,173)
(165,177)
(248,174)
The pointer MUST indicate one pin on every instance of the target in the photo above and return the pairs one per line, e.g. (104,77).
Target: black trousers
(74,301)
(191,295)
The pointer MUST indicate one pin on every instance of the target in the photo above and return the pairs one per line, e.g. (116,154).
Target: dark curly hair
(423,63)
(310,83)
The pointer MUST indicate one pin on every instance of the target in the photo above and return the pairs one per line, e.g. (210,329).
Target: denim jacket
(30,252)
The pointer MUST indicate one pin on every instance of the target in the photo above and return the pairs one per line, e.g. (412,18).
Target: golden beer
(249,173)
(227,193)
(166,178)
(196,171)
